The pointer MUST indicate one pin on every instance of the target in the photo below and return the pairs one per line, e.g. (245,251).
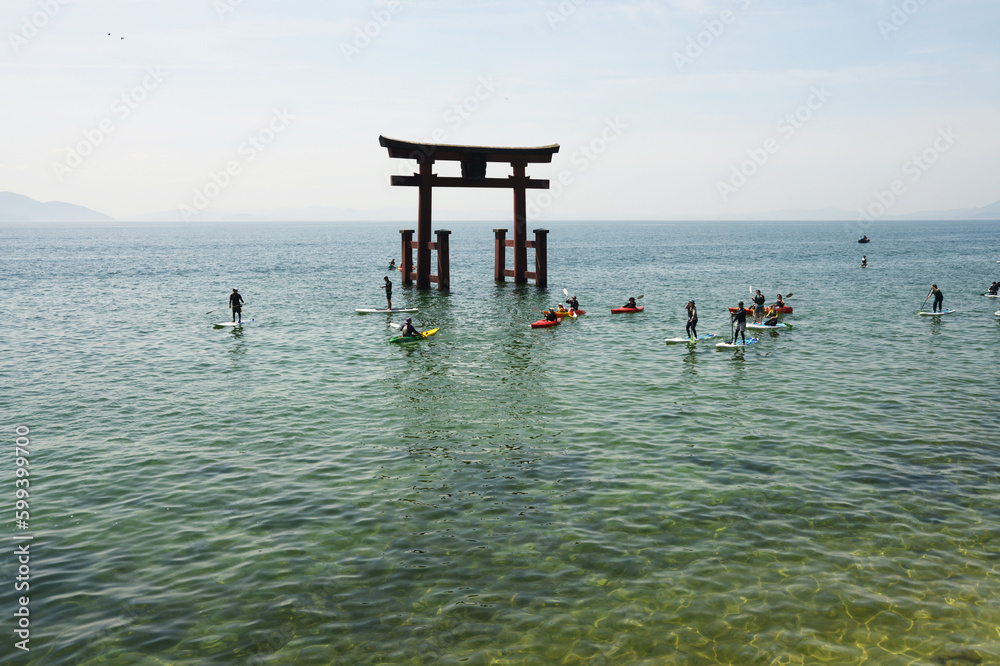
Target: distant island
(19,208)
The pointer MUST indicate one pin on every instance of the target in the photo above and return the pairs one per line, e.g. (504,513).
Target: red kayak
(570,312)
(785,310)
(544,323)
(621,310)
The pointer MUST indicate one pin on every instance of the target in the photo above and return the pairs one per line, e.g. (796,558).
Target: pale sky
(671,109)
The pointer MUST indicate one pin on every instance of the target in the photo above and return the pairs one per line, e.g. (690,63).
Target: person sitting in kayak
(550,315)
(632,305)
(692,325)
(740,319)
(407,330)
(561,310)
(575,304)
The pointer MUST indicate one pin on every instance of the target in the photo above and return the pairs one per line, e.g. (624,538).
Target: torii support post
(406,262)
(499,254)
(444,273)
(474,160)
(541,260)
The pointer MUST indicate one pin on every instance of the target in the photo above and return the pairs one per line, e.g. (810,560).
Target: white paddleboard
(371,310)
(935,314)
(762,327)
(992,295)
(730,345)
(674,341)
(232,323)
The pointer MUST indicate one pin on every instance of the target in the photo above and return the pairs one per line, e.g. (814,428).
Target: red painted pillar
(499,254)
(444,275)
(424,226)
(406,261)
(520,224)
(541,259)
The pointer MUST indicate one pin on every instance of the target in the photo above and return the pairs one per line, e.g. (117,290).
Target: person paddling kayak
(692,324)
(632,305)
(550,315)
(573,303)
(740,319)
(408,330)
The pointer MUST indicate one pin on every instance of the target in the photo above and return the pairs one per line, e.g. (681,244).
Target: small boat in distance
(864,239)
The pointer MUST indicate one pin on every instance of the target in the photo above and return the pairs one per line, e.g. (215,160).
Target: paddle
(925,301)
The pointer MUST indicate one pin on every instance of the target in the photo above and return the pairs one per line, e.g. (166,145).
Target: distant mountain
(990,212)
(19,208)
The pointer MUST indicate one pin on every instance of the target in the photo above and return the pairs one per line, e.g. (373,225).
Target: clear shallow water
(300,491)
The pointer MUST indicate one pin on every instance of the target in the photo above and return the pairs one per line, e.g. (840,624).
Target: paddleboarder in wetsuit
(740,319)
(236,303)
(864,261)
(994,288)
(388,291)
(691,328)
(758,308)
(938,298)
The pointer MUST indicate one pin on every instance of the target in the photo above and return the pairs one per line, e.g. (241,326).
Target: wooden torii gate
(474,160)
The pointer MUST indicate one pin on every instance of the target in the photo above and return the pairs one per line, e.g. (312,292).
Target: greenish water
(301,491)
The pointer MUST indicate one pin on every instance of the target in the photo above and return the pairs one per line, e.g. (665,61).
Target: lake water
(300,491)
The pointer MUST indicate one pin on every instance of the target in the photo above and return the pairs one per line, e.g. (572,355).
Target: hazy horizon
(686,109)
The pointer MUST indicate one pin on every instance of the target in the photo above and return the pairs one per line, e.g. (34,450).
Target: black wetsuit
(236,303)
(740,318)
(409,331)
(574,304)
(938,300)
(692,324)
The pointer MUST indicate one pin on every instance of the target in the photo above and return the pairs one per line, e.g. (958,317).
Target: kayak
(732,345)
(544,323)
(765,327)
(414,338)
(785,310)
(935,314)
(674,341)
(567,313)
(621,310)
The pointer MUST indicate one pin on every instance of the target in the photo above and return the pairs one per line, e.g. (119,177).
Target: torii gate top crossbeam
(421,152)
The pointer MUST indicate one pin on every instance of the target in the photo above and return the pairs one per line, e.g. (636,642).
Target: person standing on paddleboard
(740,319)
(236,303)
(692,325)
(758,308)
(388,291)
(864,261)
(937,306)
